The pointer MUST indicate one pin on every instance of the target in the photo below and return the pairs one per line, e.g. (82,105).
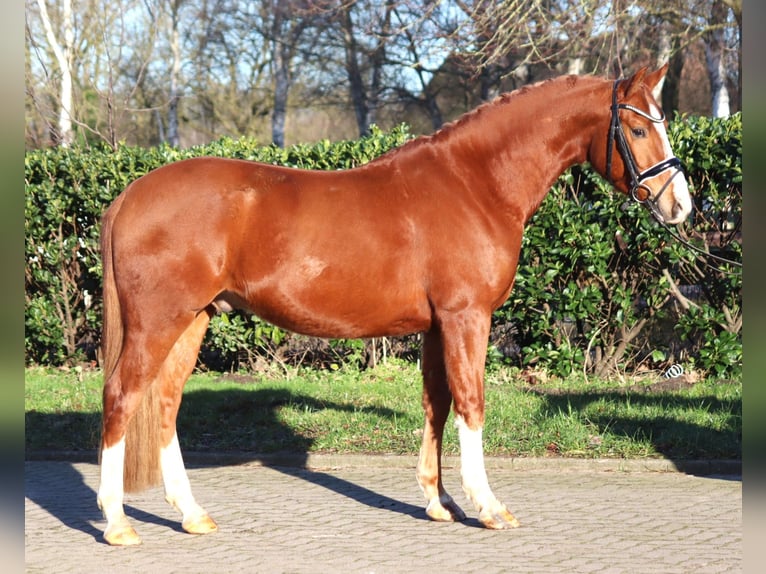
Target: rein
(617,138)
(677,237)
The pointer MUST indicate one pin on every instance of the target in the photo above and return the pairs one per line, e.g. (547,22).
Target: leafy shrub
(600,285)
(600,288)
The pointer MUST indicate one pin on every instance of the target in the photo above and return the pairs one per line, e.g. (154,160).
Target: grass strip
(378,411)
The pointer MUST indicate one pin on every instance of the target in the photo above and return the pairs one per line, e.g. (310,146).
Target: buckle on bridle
(635,196)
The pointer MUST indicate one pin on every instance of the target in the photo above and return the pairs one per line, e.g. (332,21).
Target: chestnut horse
(424,239)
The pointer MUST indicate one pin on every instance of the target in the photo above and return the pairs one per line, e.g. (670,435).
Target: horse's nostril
(679,212)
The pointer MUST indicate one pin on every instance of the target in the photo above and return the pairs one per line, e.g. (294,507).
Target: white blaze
(679,186)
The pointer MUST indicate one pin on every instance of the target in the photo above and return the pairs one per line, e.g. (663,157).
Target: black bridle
(638,190)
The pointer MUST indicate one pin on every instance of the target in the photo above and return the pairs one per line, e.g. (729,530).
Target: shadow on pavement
(65,496)
(251,416)
(255,415)
(356,492)
(76,507)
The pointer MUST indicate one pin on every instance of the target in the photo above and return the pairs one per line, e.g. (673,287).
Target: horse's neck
(527,141)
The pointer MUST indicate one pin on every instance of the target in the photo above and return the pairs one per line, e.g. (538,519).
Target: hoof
(444,511)
(498,519)
(121,535)
(200,525)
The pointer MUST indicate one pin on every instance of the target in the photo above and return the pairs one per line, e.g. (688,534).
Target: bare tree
(166,15)
(62,45)
(514,34)
(413,48)
(230,76)
(387,52)
(364,60)
(187,71)
(109,49)
(715,48)
(736,10)
(174,7)
(594,36)
(290,19)
(714,54)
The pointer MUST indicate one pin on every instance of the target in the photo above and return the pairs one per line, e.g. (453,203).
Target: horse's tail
(142,436)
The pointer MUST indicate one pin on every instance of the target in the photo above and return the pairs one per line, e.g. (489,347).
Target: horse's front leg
(492,513)
(437,400)
(464,338)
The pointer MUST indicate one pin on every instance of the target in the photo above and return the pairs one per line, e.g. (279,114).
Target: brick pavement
(370,519)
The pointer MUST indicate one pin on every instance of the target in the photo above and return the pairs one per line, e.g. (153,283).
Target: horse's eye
(638,132)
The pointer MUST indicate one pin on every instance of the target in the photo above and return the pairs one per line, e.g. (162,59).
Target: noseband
(637,177)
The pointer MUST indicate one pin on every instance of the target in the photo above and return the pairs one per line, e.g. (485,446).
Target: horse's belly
(348,313)
(343,321)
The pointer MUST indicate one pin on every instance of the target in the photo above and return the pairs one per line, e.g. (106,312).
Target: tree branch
(676,292)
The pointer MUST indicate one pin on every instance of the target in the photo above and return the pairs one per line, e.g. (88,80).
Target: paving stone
(370,519)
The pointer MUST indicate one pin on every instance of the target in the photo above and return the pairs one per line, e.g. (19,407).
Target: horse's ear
(652,79)
(635,80)
(648,79)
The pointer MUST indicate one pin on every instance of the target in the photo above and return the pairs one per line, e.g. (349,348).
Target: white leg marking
(492,513)
(472,471)
(177,487)
(118,530)
(110,491)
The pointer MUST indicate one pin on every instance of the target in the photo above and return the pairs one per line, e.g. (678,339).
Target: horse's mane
(468,118)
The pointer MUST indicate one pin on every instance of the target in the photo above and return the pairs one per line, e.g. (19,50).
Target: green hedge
(67,190)
(600,288)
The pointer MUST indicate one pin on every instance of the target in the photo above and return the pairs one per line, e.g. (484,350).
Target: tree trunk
(426,87)
(714,56)
(575,66)
(670,89)
(488,89)
(377,59)
(288,24)
(736,8)
(281,86)
(355,81)
(64,135)
(175,73)
(281,78)
(434,112)
(664,51)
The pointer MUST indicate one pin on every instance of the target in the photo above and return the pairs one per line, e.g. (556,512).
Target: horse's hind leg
(118,531)
(436,403)
(141,398)
(129,404)
(173,375)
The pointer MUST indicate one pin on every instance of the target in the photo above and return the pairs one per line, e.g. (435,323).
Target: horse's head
(637,157)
